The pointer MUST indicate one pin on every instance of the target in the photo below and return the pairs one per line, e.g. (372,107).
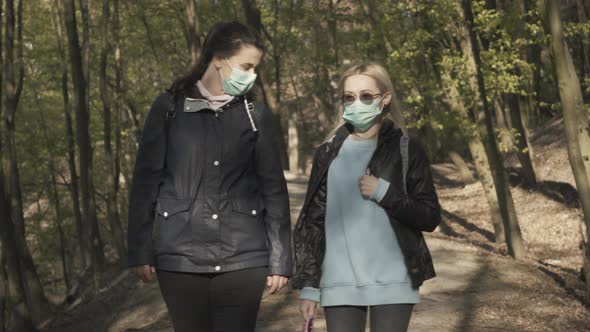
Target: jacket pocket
(246,225)
(172,229)
(251,206)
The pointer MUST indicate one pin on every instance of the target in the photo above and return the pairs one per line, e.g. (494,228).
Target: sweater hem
(397,292)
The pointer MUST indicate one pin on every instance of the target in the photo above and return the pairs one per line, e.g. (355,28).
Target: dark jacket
(210,196)
(409,215)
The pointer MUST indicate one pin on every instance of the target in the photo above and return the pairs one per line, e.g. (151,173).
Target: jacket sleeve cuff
(381,190)
(310,293)
(140,257)
(284,271)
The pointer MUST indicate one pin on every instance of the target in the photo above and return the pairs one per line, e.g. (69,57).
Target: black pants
(226,301)
(387,317)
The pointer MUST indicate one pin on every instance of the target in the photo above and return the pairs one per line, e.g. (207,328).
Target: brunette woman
(208,208)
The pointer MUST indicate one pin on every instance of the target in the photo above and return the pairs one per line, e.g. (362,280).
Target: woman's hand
(307,308)
(276,283)
(368,184)
(144,272)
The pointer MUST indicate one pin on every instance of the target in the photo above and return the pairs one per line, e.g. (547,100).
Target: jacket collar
(197,102)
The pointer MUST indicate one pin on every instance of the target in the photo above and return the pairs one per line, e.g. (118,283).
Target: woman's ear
(387,98)
(217,62)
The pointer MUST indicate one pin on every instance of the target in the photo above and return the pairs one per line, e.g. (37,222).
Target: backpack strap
(405,159)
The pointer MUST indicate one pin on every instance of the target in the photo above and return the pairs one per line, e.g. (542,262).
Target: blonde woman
(358,240)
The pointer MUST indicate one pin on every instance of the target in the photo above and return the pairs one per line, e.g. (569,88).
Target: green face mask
(362,116)
(238,83)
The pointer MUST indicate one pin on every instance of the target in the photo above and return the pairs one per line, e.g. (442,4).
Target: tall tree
(575,117)
(255,22)
(112,162)
(89,216)
(54,197)
(192,28)
(18,317)
(34,295)
(479,157)
(485,127)
(71,148)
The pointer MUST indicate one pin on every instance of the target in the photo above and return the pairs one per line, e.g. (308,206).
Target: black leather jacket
(210,196)
(409,215)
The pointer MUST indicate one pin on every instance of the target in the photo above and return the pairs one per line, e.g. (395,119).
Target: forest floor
(478,286)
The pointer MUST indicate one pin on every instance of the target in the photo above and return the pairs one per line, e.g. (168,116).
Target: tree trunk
(585,40)
(480,161)
(484,125)
(254,21)
(520,138)
(192,28)
(575,117)
(502,123)
(112,174)
(82,123)
(464,171)
(73,187)
(34,296)
(12,278)
(119,93)
(18,317)
(55,199)
(85,16)
(3,276)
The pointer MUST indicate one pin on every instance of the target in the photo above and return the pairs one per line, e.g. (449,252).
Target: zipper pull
(250,108)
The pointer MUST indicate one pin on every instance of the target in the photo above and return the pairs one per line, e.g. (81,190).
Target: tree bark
(35,299)
(464,171)
(483,118)
(254,21)
(85,16)
(502,122)
(585,40)
(3,276)
(89,216)
(18,316)
(192,27)
(575,117)
(73,187)
(117,232)
(12,277)
(480,161)
(521,141)
(54,196)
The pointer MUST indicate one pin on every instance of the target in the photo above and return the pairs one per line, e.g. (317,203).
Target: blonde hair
(381,76)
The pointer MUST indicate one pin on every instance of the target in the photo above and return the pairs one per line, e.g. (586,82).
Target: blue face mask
(239,81)
(362,116)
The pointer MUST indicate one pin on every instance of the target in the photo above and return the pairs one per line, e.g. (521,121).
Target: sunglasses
(365,97)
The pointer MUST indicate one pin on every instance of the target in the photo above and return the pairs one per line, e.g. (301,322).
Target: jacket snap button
(254,212)
(214,216)
(217,268)
(165,214)
(188,107)
(216,163)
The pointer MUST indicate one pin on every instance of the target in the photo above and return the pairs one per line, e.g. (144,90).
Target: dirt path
(475,290)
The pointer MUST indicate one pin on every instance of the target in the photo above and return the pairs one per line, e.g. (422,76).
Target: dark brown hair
(225,39)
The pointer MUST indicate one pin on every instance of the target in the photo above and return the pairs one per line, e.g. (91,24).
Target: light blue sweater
(363,263)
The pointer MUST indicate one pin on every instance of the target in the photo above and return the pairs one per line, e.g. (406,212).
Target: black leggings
(387,317)
(226,301)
